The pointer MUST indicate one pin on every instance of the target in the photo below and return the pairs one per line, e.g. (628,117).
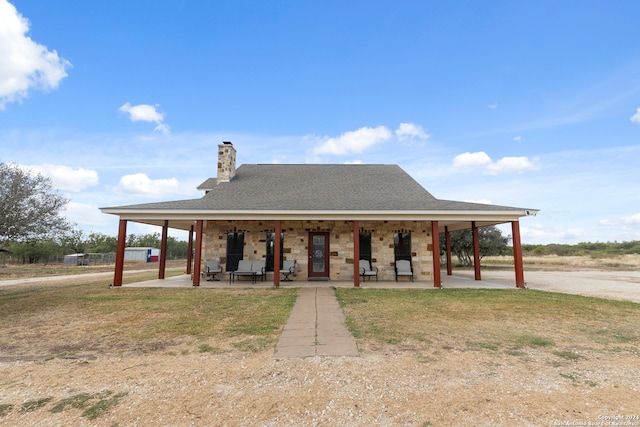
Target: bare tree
(30,209)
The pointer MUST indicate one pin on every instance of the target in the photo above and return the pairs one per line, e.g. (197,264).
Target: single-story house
(325,217)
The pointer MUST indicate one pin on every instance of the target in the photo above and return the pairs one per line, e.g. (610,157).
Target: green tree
(100,243)
(30,209)
(491,240)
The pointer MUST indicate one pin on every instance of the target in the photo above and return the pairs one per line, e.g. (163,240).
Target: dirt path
(620,285)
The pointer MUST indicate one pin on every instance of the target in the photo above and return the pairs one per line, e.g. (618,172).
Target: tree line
(584,248)
(33,228)
(48,250)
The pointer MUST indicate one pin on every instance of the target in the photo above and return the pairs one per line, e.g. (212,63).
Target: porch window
(402,246)
(365,246)
(235,249)
(271,244)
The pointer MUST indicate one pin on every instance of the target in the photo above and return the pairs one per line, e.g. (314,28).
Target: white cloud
(625,221)
(87,214)
(408,131)
(493,106)
(517,138)
(469,160)
(139,184)
(146,113)
(636,117)
(511,164)
(25,64)
(66,178)
(356,141)
(504,165)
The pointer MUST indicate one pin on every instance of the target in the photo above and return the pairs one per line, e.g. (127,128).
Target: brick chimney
(226,162)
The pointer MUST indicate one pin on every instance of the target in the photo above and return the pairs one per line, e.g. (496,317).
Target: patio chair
(212,268)
(404,268)
(259,269)
(244,269)
(366,271)
(288,268)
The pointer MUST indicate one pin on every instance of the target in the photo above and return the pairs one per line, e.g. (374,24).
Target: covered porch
(432,251)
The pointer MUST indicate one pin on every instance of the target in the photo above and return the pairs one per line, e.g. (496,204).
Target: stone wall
(295,244)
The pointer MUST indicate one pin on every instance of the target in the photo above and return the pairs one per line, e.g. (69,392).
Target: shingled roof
(319,191)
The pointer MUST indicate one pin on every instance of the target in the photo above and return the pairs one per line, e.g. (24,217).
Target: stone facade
(296,239)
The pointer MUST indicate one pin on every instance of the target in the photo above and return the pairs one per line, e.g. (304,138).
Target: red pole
(476,250)
(190,251)
(163,250)
(435,240)
(447,239)
(517,254)
(356,254)
(198,255)
(276,254)
(122,240)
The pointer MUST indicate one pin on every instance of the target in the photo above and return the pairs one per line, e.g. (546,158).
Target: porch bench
(249,268)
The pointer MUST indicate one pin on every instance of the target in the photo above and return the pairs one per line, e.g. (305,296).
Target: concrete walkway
(316,327)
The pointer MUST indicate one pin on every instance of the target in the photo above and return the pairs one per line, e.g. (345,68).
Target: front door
(318,255)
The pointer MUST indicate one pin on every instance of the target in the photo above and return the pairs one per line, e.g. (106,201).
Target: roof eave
(415,215)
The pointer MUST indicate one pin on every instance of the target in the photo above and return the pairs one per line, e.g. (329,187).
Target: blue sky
(528,104)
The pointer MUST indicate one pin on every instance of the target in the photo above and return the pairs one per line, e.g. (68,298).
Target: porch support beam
(276,253)
(190,251)
(517,254)
(447,240)
(356,253)
(435,244)
(163,250)
(198,254)
(122,240)
(476,250)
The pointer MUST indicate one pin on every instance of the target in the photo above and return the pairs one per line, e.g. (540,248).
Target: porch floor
(455,281)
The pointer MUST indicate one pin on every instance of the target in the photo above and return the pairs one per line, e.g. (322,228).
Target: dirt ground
(400,385)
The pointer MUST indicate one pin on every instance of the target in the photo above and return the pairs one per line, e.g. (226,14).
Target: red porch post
(476,250)
(435,243)
(190,250)
(517,254)
(447,240)
(122,240)
(276,254)
(356,253)
(198,255)
(163,250)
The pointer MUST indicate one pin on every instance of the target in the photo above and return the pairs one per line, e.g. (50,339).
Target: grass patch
(533,341)
(254,345)
(488,320)
(567,354)
(74,318)
(206,348)
(102,406)
(5,408)
(32,405)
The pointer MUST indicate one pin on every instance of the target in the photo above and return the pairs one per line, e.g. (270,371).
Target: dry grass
(505,321)
(567,263)
(89,318)
(20,271)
